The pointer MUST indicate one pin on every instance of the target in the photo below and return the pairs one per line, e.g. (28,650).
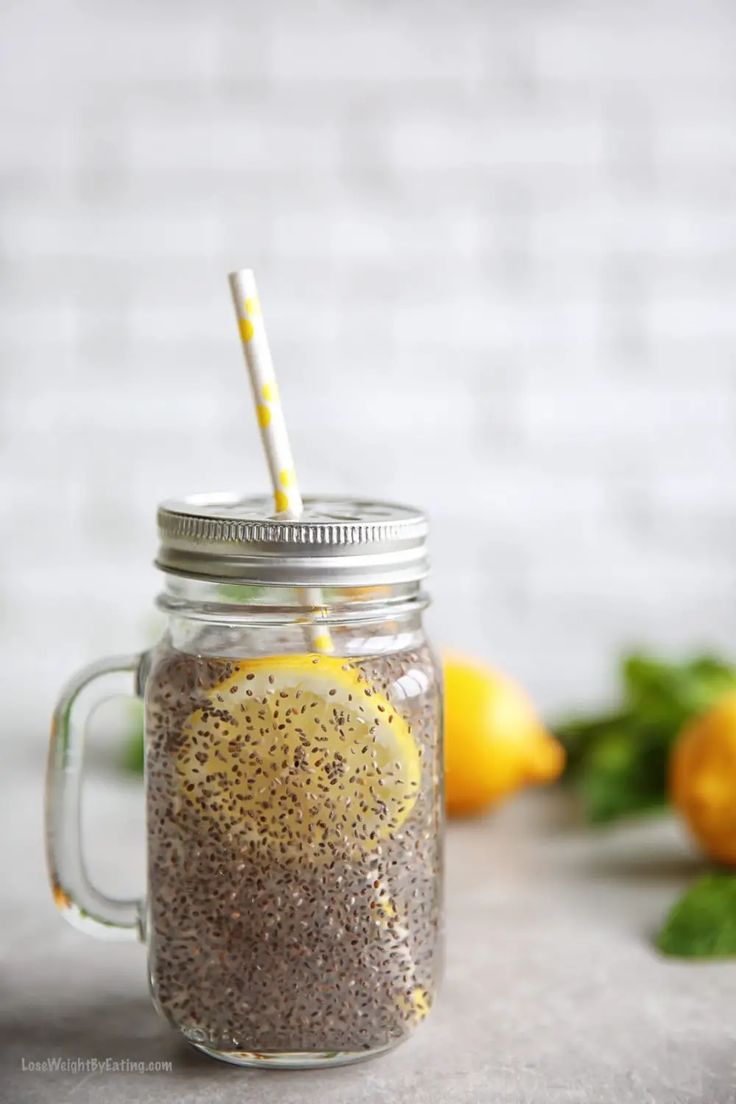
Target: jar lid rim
(336,541)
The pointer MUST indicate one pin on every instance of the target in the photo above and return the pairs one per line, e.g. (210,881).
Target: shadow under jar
(293,783)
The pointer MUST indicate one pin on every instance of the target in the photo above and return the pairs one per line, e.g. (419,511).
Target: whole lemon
(703,779)
(494,740)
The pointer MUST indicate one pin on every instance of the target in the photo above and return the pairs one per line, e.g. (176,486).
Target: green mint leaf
(617,760)
(702,924)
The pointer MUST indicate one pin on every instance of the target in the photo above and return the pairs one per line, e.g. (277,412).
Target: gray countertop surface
(552,990)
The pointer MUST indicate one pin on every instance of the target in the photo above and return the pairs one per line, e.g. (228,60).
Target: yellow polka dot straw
(269,411)
(270,414)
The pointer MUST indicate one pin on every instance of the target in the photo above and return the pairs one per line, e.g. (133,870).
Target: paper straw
(269,411)
(270,414)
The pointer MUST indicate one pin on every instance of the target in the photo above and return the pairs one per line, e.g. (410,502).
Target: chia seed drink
(273,932)
(293,783)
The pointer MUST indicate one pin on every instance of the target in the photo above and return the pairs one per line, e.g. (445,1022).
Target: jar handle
(78,900)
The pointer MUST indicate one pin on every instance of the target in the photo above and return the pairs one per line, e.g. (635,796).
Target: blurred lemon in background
(494,740)
(703,779)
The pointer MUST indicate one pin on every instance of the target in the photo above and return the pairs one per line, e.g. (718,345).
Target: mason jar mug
(293,776)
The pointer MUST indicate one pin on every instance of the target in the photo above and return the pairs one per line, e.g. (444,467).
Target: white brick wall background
(496,248)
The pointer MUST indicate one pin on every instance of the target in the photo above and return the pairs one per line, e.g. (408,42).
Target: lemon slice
(300,753)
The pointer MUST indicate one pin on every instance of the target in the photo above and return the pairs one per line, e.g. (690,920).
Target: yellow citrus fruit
(494,741)
(703,779)
(301,753)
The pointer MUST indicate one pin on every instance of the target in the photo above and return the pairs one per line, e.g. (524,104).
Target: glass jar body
(294,812)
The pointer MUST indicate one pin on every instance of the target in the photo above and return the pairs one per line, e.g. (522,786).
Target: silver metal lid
(335,542)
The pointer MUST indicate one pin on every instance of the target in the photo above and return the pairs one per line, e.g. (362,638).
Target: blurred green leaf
(702,924)
(617,760)
(133,749)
